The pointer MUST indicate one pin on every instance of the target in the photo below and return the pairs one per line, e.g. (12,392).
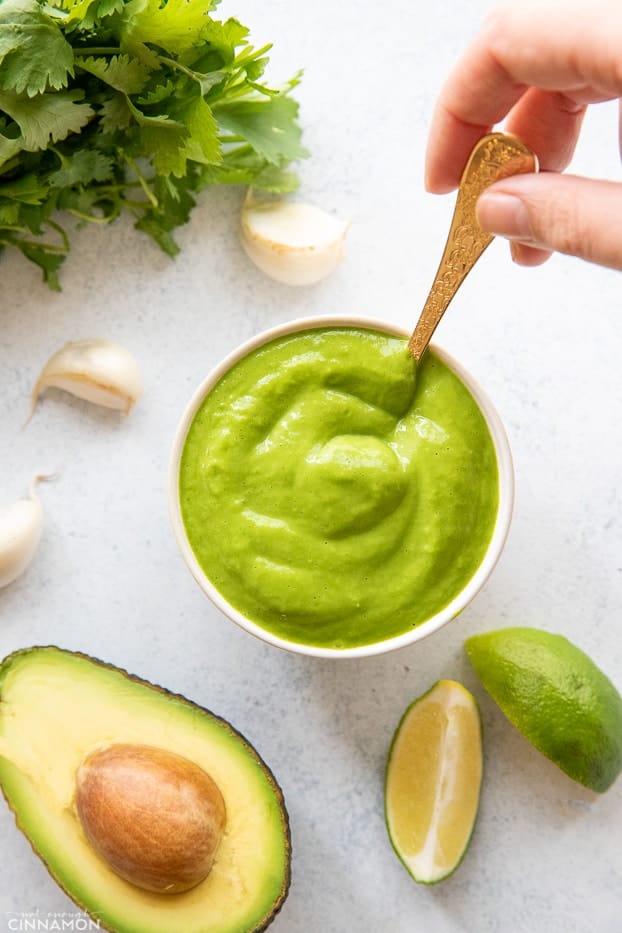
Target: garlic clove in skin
(95,370)
(294,243)
(21,526)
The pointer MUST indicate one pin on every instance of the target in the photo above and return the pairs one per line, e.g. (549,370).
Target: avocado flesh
(55,707)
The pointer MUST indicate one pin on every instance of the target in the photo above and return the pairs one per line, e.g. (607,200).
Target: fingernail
(515,252)
(504,215)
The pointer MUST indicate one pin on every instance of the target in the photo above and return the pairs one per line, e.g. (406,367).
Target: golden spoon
(495,156)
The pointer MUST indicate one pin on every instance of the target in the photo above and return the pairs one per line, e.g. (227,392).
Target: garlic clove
(294,243)
(21,525)
(95,370)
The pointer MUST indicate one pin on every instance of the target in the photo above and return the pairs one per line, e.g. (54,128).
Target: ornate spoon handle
(495,156)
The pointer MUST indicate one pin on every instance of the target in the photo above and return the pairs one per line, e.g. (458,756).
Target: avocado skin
(5,666)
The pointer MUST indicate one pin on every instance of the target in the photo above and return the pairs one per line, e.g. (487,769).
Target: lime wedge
(556,697)
(433,779)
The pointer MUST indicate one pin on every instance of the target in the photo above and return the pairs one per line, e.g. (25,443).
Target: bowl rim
(501,529)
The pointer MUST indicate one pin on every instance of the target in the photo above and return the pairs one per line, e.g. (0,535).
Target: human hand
(540,65)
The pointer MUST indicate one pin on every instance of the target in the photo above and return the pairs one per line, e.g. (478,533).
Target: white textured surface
(108,579)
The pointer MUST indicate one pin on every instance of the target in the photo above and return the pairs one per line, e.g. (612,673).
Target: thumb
(563,213)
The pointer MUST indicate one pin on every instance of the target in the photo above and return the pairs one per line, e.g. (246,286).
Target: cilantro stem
(236,79)
(266,91)
(251,54)
(9,165)
(103,189)
(91,218)
(61,158)
(37,244)
(232,91)
(179,67)
(63,235)
(141,179)
(240,151)
(97,50)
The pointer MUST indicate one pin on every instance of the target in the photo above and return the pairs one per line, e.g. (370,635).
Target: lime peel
(555,695)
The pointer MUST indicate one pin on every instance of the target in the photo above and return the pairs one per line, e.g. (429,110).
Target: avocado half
(55,707)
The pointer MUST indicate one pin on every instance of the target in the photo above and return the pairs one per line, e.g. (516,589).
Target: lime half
(433,779)
(556,697)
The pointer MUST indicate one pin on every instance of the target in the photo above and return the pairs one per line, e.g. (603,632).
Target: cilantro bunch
(113,105)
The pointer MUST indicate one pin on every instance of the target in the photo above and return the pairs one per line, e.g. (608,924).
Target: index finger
(569,51)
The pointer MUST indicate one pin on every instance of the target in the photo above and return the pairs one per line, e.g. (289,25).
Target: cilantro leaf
(224,37)
(115,114)
(34,54)
(84,166)
(27,189)
(9,213)
(121,72)
(146,119)
(9,148)
(87,12)
(250,170)
(97,203)
(46,118)
(174,204)
(48,261)
(268,125)
(255,69)
(157,93)
(203,144)
(176,25)
(275,180)
(166,145)
(108,7)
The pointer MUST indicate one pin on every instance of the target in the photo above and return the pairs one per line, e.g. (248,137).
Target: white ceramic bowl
(497,542)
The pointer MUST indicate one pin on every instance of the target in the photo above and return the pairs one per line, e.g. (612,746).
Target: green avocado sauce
(332,497)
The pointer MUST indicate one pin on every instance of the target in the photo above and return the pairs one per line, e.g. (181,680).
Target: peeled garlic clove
(95,370)
(20,533)
(298,244)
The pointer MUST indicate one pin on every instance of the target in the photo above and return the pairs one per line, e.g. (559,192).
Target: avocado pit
(155,817)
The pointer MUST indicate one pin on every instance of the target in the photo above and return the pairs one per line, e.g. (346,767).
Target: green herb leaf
(46,118)
(84,166)
(108,7)
(174,204)
(9,213)
(268,125)
(27,189)
(166,145)
(203,144)
(157,94)
(115,114)
(276,180)
(87,12)
(9,148)
(48,261)
(34,54)
(121,72)
(224,37)
(176,25)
